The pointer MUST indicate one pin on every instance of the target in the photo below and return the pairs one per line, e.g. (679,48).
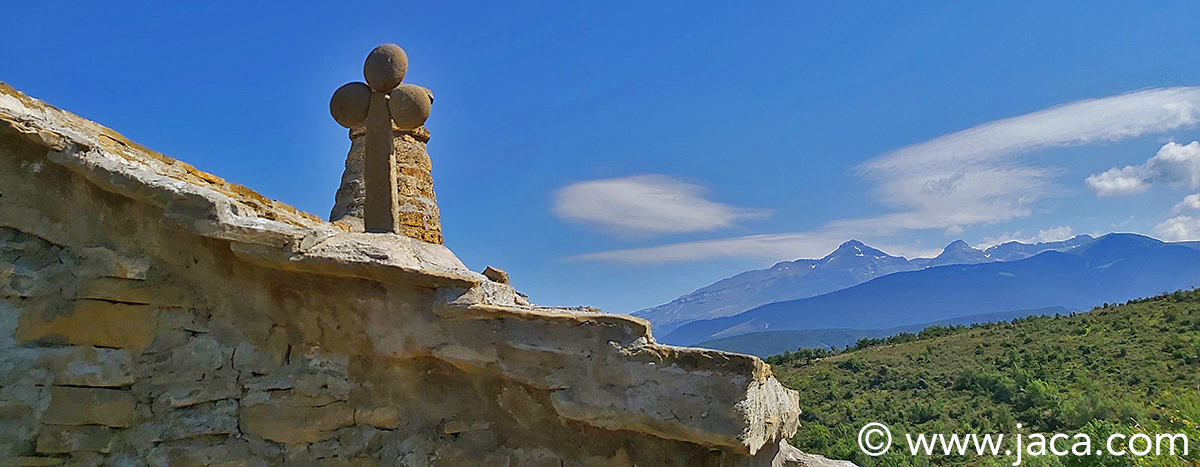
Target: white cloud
(1178,229)
(1054,234)
(1174,163)
(1118,182)
(953,231)
(1080,122)
(646,204)
(978,176)
(1190,203)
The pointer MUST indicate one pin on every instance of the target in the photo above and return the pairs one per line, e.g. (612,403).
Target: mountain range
(767,343)
(1112,268)
(850,264)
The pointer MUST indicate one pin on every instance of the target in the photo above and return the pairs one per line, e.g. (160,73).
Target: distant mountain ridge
(1115,267)
(852,263)
(767,343)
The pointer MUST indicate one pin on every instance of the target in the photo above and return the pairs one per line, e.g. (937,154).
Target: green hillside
(1129,368)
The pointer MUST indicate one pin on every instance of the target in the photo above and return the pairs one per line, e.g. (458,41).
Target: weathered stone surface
(65,439)
(379,180)
(416,202)
(30,461)
(410,106)
(791,457)
(89,406)
(90,322)
(387,418)
(292,340)
(458,426)
(134,291)
(349,104)
(496,275)
(88,366)
(103,262)
(185,394)
(294,419)
(85,459)
(212,419)
(385,67)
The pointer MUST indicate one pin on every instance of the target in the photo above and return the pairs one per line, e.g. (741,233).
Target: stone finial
(389,187)
(385,67)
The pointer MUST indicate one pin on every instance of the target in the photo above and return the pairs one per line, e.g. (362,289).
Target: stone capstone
(496,275)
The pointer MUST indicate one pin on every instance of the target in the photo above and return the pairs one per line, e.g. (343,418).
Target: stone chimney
(416,204)
(387,186)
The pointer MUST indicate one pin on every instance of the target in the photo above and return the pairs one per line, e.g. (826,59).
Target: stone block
(116,290)
(197,359)
(292,419)
(102,262)
(122,290)
(63,439)
(30,462)
(211,419)
(89,406)
(85,459)
(90,322)
(260,361)
(496,275)
(184,394)
(458,426)
(342,462)
(387,418)
(88,366)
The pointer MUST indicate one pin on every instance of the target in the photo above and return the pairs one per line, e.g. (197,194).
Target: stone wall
(153,314)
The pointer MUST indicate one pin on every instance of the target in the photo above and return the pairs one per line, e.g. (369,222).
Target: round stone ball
(385,67)
(350,103)
(410,106)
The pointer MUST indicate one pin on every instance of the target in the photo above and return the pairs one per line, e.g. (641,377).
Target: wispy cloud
(646,204)
(1175,164)
(981,175)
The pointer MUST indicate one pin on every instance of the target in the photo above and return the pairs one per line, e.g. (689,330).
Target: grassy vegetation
(1129,368)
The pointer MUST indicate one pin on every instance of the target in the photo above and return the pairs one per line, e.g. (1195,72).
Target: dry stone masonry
(152,314)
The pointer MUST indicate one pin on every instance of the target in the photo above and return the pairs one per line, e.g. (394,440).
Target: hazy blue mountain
(958,252)
(850,264)
(1195,245)
(767,343)
(1013,251)
(1115,267)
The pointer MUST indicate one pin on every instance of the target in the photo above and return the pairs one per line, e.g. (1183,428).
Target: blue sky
(621,154)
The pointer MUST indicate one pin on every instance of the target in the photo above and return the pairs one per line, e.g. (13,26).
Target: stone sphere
(385,67)
(410,106)
(350,103)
